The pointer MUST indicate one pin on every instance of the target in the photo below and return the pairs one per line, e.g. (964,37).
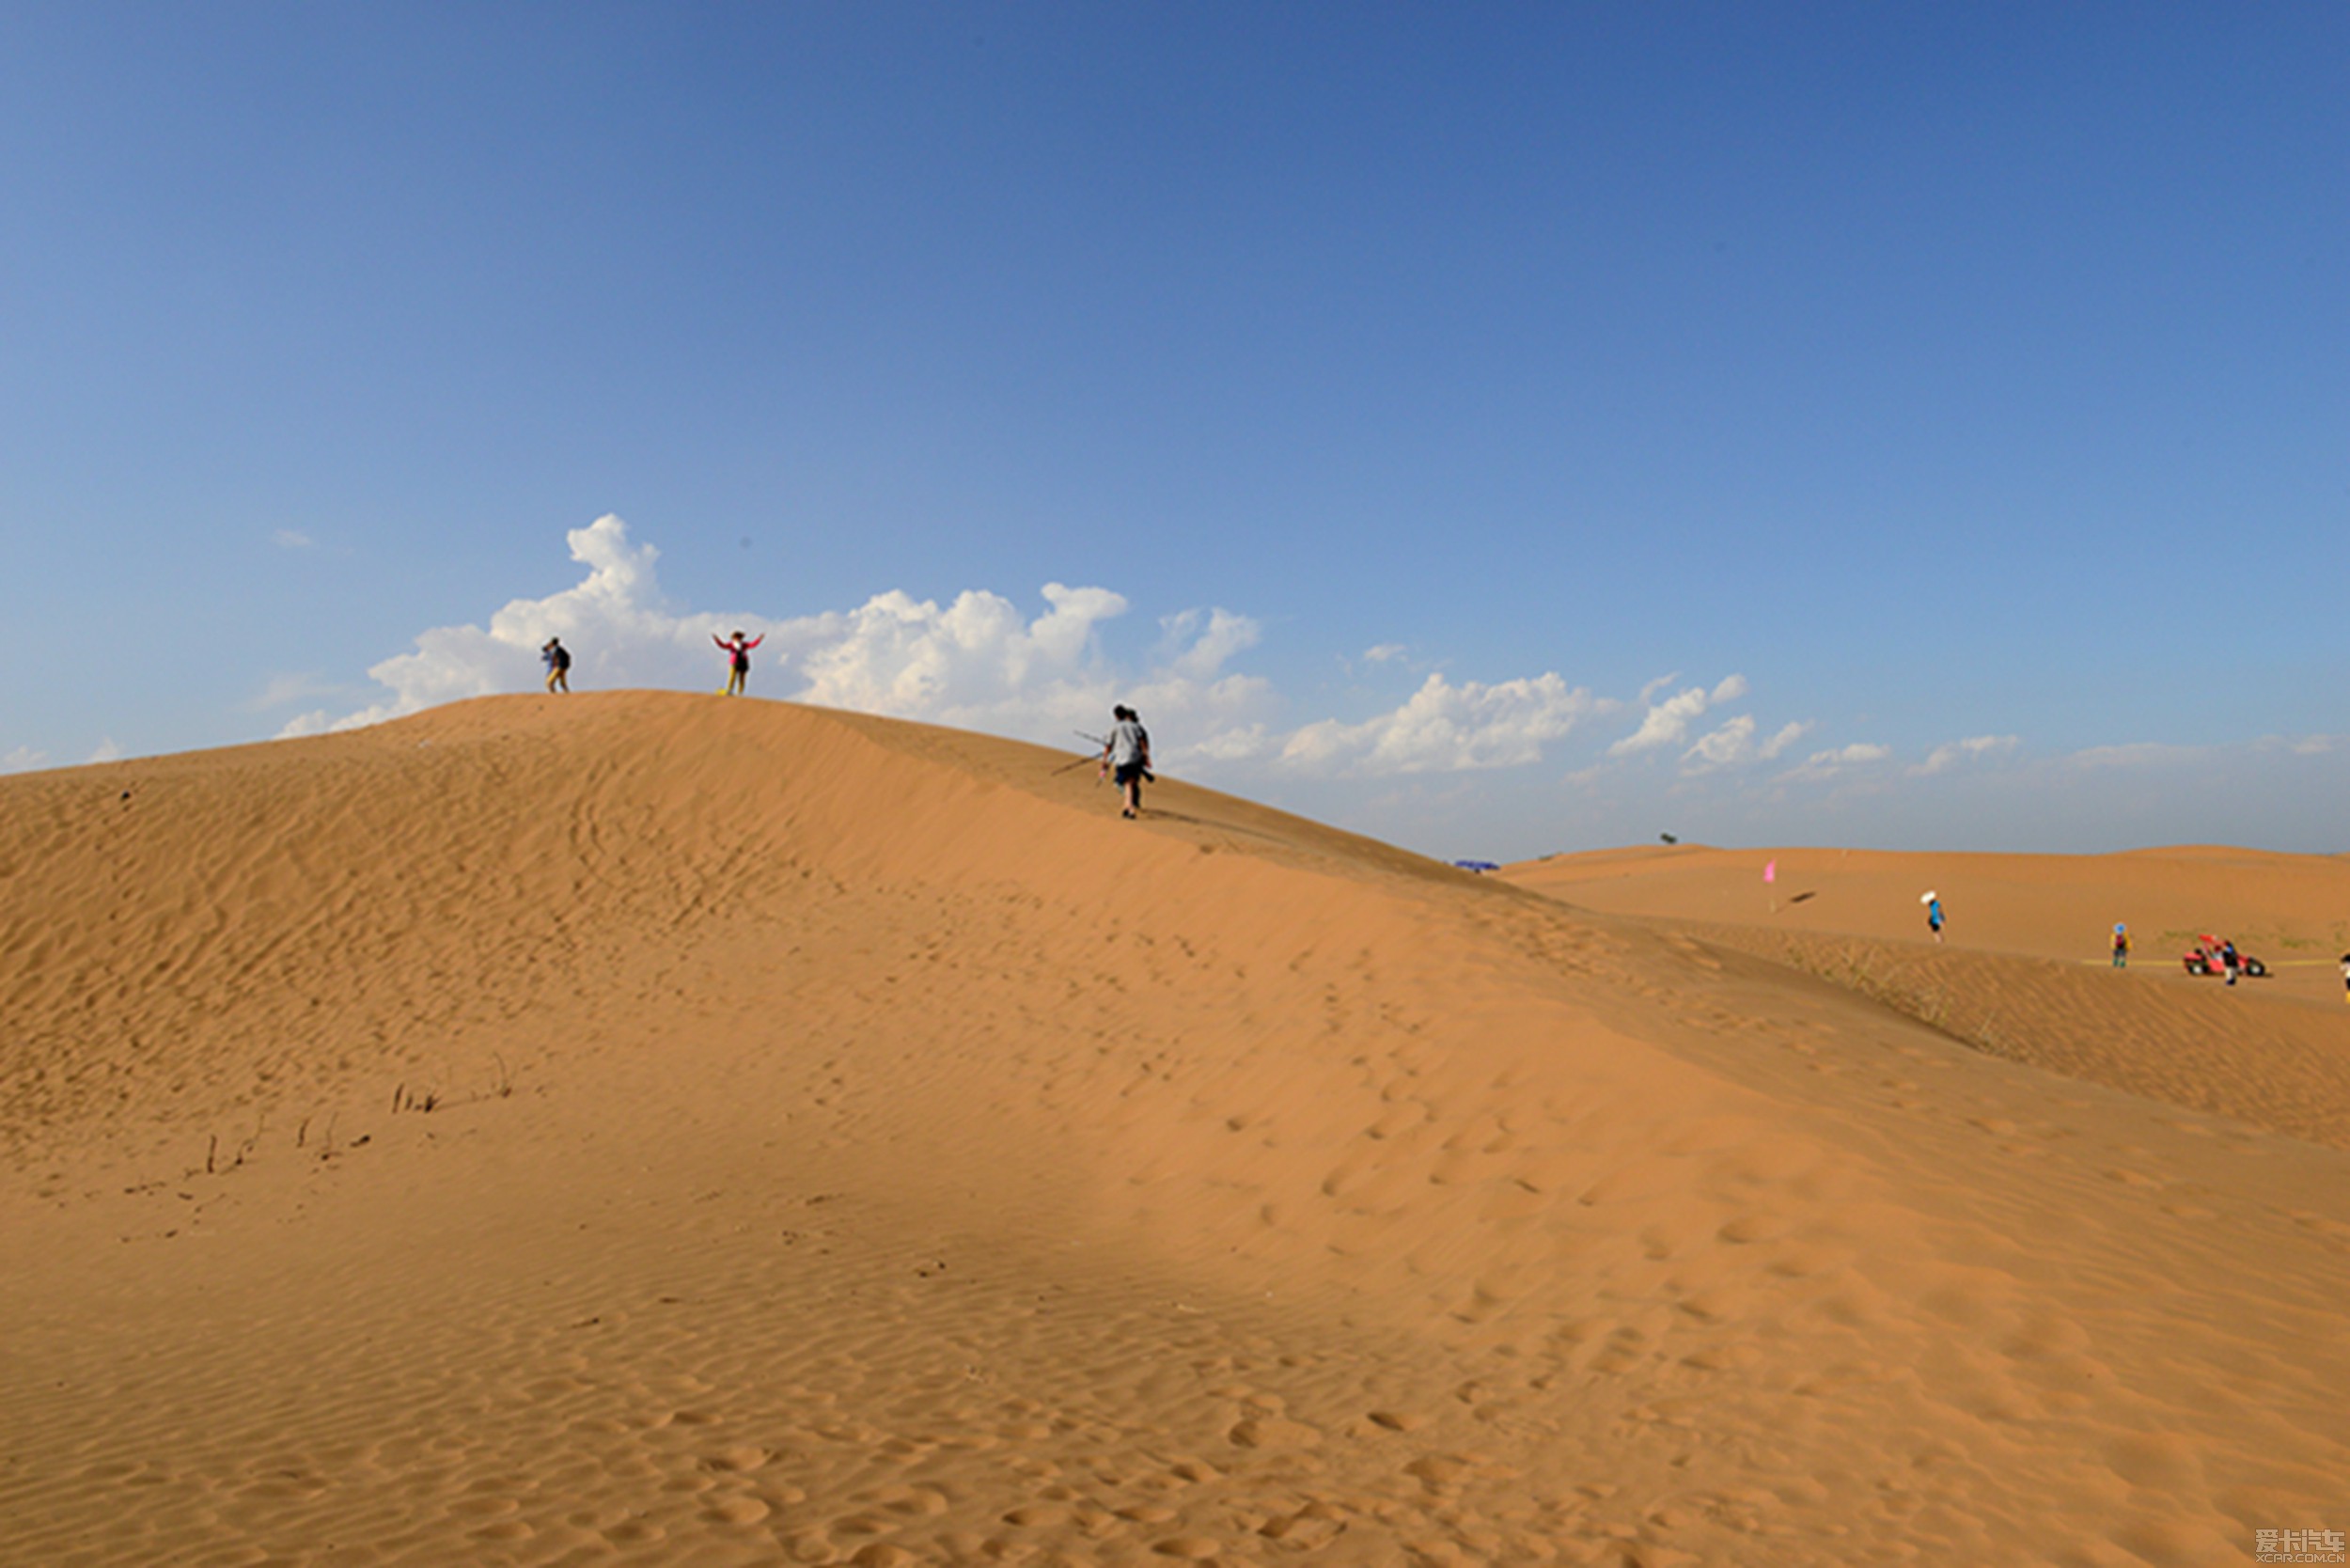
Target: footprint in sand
(744,1459)
(1310,1528)
(677,1417)
(1722,1357)
(1273,1432)
(738,1510)
(1749,1228)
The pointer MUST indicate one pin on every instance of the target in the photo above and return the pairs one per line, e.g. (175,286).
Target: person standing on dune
(558,659)
(738,653)
(1934,915)
(2121,947)
(1127,753)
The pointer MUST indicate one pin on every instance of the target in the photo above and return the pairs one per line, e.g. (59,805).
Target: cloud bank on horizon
(980,662)
(1504,767)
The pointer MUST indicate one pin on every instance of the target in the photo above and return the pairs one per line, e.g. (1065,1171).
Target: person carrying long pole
(1126,756)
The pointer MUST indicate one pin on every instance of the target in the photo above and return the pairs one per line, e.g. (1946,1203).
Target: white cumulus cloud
(1198,643)
(976,662)
(1734,743)
(901,656)
(1824,765)
(1951,754)
(619,631)
(1666,723)
(982,661)
(1443,727)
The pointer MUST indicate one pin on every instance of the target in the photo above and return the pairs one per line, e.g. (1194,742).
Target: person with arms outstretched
(738,653)
(1126,755)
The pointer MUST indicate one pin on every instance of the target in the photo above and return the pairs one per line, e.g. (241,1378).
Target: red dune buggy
(2203,959)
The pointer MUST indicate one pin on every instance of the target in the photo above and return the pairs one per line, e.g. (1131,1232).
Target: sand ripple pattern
(648,1129)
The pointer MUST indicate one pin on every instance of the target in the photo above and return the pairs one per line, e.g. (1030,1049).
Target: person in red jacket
(738,652)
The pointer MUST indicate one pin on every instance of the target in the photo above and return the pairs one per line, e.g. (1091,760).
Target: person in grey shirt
(1126,756)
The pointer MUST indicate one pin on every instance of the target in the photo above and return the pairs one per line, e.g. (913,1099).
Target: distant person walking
(2121,947)
(2229,962)
(738,652)
(1126,756)
(558,659)
(1934,916)
(2345,977)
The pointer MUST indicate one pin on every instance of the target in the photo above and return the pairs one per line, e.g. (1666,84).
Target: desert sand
(643,1128)
(2024,968)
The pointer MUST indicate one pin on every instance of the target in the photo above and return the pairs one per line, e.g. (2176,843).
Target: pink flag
(1770,870)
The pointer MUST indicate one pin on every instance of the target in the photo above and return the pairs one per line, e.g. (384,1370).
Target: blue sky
(1502,429)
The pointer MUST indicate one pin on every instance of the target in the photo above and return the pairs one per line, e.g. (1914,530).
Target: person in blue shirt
(1934,916)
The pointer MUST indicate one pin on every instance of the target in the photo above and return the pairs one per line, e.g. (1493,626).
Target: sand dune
(642,1128)
(2292,909)
(2009,977)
